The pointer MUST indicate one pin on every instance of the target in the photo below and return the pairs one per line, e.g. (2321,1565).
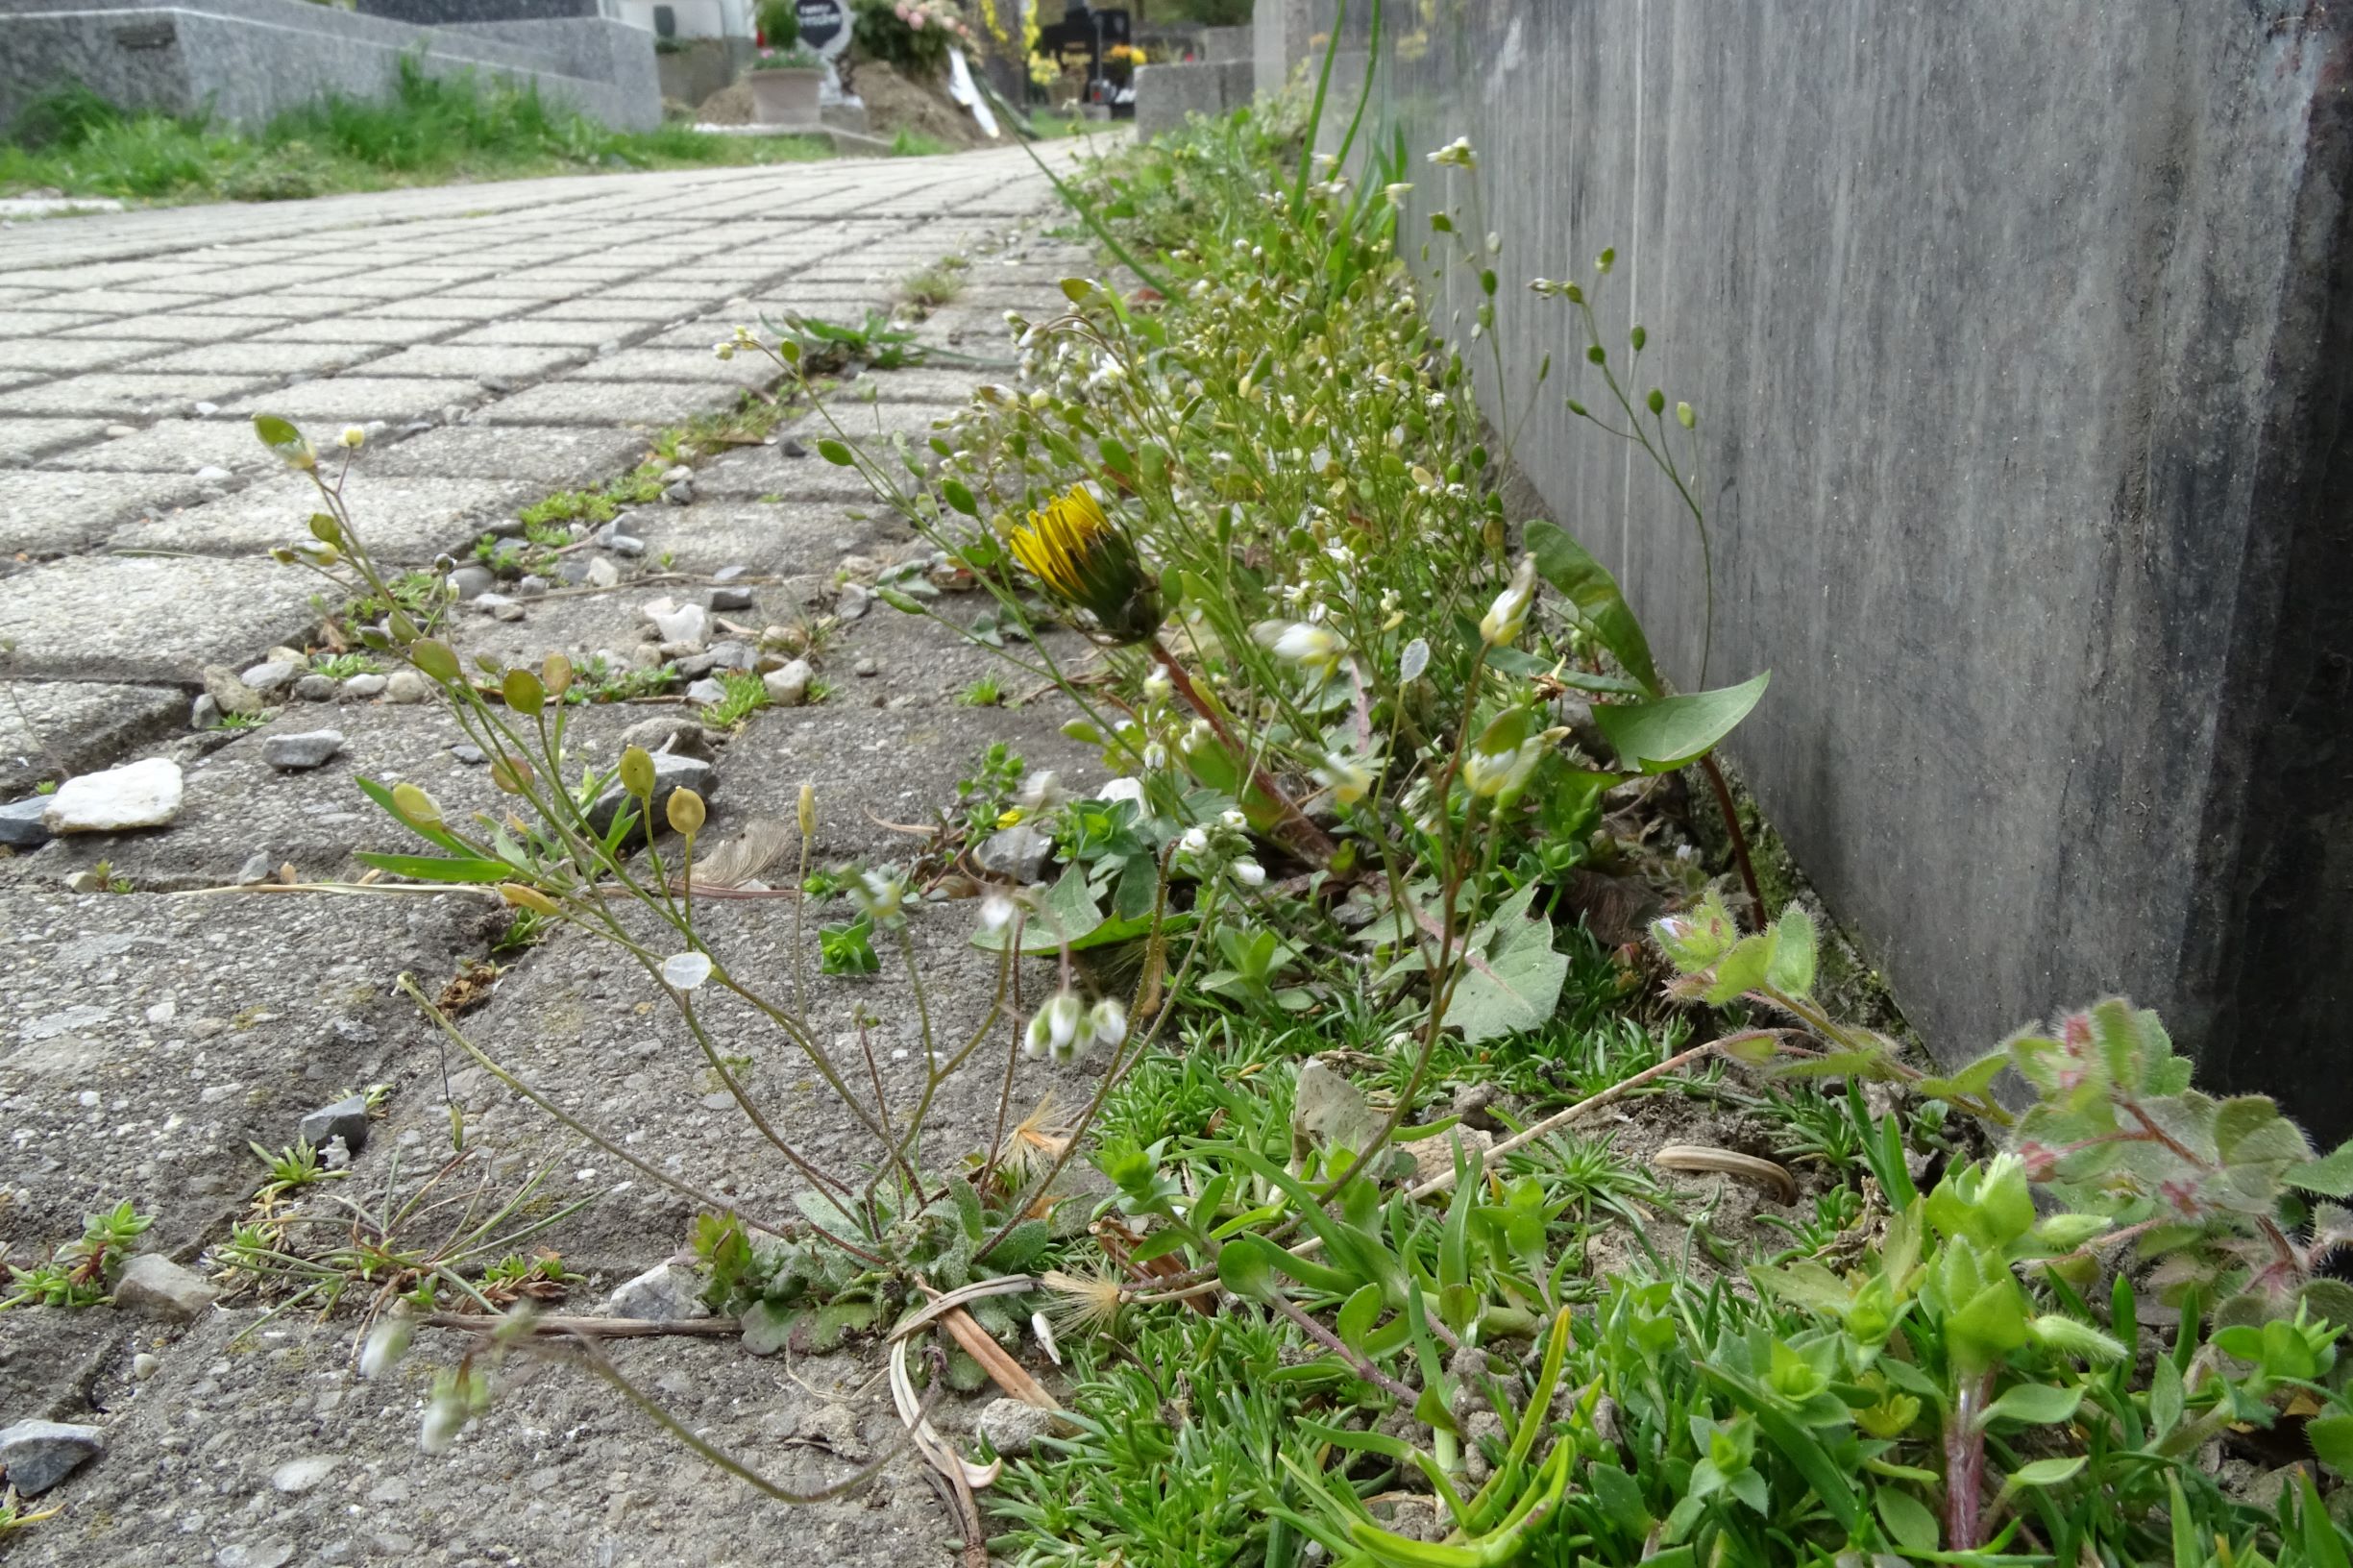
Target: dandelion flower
(1088,562)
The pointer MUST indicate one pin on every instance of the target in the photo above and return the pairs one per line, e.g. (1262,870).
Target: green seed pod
(686,812)
(555,674)
(1637,337)
(524,897)
(326,529)
(1657,401)
(434,658)
(1598,354)
(1685,415)
(511,775)
(637,772)
(415,806)
(523,693)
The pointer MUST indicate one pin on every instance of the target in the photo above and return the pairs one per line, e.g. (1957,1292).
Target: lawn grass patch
(430,130)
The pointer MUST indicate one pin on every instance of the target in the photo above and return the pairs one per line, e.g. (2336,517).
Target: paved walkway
(508,341)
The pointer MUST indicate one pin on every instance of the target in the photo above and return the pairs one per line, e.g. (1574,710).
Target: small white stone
(137,795)
(295,1476)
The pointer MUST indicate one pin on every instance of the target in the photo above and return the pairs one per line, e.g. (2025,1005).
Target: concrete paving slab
(121,302)
(274,360)
(405,522)
(756,473)
(144,1040)
(63,354)
(471,362)
(772,540)
(573,402)
(358,399)
(554,455)
(680,365)
(530,331)
(50,729)
(45,513)
(616,312)
(24,321)
(392,330)
(174,327)
(22,440)
(176,446)
(442,307)
(114,394)
(147,618)
(558,1459)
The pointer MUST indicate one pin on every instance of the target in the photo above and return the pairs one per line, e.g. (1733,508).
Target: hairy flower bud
(1509,614)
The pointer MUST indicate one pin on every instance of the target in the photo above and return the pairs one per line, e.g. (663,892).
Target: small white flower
(1509,614)
(687,970)
(1397,193)
(353,437)
(995,912)
(879,895)
(1249,873)
(1233,818)
(387,1343)
(1108,1022)
(1456,154)
(1157,686)
(1155,756)
(1195,842)
(1123,789)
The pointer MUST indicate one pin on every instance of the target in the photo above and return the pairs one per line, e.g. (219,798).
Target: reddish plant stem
(1731,828)
(1306,837)
(1965,1465)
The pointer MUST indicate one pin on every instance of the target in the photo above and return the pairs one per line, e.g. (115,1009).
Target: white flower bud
(1249,873)
(387,1343)
(1509,614)
(1195,842)
(353,437)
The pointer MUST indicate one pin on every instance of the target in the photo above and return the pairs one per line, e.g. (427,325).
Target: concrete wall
(2022,340)
(245,60)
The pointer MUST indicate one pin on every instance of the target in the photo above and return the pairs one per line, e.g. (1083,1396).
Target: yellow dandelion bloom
(1085,560)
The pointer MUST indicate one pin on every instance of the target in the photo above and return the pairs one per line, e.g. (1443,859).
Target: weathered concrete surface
(145,1037)
(2020,347)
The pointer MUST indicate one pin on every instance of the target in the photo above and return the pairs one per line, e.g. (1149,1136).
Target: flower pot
(786,96)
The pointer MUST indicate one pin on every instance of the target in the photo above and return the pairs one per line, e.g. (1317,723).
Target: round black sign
(824,26)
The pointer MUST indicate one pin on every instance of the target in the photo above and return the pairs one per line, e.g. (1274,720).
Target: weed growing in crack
(82,1272)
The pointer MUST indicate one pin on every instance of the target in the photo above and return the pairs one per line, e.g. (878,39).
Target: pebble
(707,692)
(346,1119)
(1012,1427)
(155,1286)
(116,433)
(683,736)
(729,573)
(230,691)
(137,794)
(645,657)
(727,599)
(472,582)
(213,471)
(297,754)
(206,410)
(602,572)
(664,1293)
(608,348)
(732,656)
(530,585)
(852,601)
(204,712)
(865,665)
(679,622)
(622,544)
(268,1554)
(269,677)
(497,606)
(676,472)
(789,687)
(671,773)
(365,685)
(680,494)
(256,869)
(295,1476)
(787,447)
(37,1454)
(407,686)
(1020,852)
(318,689)
(143,1366)
(22,825)
(466,751)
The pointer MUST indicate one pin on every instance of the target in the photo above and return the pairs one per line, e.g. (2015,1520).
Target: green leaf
(1246,1266)
(1669,733)
(437,869)
(2331,1176)
(1791,968)
(767,1327)
(1589,586)
(1521,982)
(2034,1404)
(2332,1439)
(1358,1315)
(957,493)
(277,434)
(1908,1520)
(1069,916)
(836,452)
(1619,1498)
(2050,1472)
(2323,1543)
(1020,1247)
